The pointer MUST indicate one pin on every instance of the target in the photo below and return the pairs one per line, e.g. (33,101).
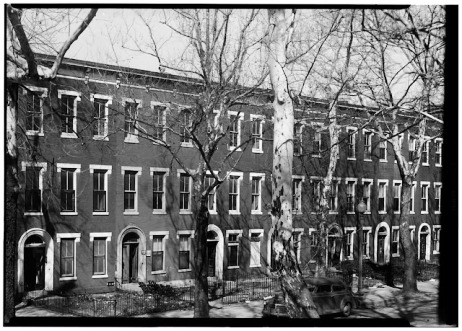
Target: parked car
(329,295)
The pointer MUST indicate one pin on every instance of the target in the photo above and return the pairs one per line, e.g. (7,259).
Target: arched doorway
(381,238)
(35,261)
(424,242)
(382,243)
(215,244)
(334,246)
(131,256)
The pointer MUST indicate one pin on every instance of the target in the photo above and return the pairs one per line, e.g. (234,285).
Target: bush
(158,289)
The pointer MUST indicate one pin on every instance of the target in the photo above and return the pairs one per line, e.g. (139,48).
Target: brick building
(103,207)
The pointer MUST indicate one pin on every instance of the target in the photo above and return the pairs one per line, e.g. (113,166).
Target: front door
(211,253)
(423,246)
(130,263)
(381,249)
(34,268)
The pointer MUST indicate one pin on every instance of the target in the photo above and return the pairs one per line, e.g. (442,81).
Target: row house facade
(101,206)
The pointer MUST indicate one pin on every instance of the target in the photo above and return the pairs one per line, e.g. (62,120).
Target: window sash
(424,196)
(67,257)
(233,192)
(184,191)
(33,194)
(396,197)
(256,134)
(33,112)
(351,144)
(99,191)
(130,118)
(99,256)
(350,196)
(184,252)
(185,123)
(158,122)
(256,193)
(157,190)
(99,117)
(157,253)
(367,145)
(233,255)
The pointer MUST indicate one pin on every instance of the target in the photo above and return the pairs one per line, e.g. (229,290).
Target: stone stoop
(34,294)
(131,287)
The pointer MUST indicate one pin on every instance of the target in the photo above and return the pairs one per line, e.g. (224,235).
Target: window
(34,172)
(159,177)
(349,242)
(317,144)
(185,193)
(159,120)
(234,129)
(411,149)
(317,191)
(425,153)
(367,135)
(436,238)
(256,180)
(34,109)
(367,230)
(333,198)
(211,198)
(383,151)
(184,238)
(68,187)
(256,236)
(100,188)
(257,133)
(297,193)
(67,242)
(438,152)
(395,241)
(412,210)
(159,239)
(314,242)
(297,242)
(234,192)
(437,186)
(100,115)
(131,189)
(233,248)
(186,122)
(131,116)
(351,143)
(383,184)
(351,189)
(396,196)
(424,197)
(298,131)
(367,185)
(100,240)
(68,113)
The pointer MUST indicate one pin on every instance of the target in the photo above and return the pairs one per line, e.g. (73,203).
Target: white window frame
(318,129)
(239,235)
(353,136)
(132,138)
(411,146)
(188,211)
(240,118)
(412,232)
(43,166)
(371,184)
(166,172)
(76,167)
(260,235)
(382,181)
(355,181)
(260,118)
(108,236)
(44,91)
(439,141)
(399,195)
(76,237)
(77,96)
(427,145)
(393,254)
(364,133)
(94,96)
(108,171)
(164,118)
(214,192)
(253,175)
(164,235)
(138,171)
(352,230)
(336,181)
(383,144)
(412,205)
(435,185)
(298,210)
(368,231)
(299,232)
(190,234)
(427,184)
(436,226)
(238,200)
(300,136)
(316,181)
(182,109)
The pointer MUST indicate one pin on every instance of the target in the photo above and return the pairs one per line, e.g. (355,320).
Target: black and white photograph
(230,165)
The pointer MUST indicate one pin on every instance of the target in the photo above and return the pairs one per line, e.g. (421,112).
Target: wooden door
(381,249)
(133,263)
(34,268)
(125,263)
(423,246)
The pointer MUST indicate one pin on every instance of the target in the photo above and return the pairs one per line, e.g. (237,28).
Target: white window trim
(298,210)
(436,226)
(164,235)
(76,237)
(337,181)
(108,236)
(412,206)
(399,195)
(411,138)
(439,140)
(385,142)
(371,183)
(317,180)
(260,235)
(310,232)
(300,232)
(132,138)
(355,180)
(346,230)
(426,142)
(43,166)
(138,174)
(302,127)
(367,229)
(364,131)
(380,181)
(181,109)
(240,118)
(94,96)
(262,121)
(240,175)
(253,175)
(44,91)
(166,172)
(394,227)
(164,118)
(440,184)
(318,127)
(412,232)
(108,169)
(74,120)
(239,235)
(185,211)
(427,184)
(354,135)
(77,167)
(191,236)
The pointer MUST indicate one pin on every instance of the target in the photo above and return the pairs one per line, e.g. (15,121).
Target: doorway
(212,241)
(130,253)
(382,235)
(34,264)
(334,247)
(423,242)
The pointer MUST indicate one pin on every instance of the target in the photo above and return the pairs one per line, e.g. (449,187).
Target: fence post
(115,308)
(94,307)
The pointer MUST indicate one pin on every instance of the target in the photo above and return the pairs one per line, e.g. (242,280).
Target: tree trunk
(11,205)
(201,302)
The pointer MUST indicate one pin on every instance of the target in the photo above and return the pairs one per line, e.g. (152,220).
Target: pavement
(378,302)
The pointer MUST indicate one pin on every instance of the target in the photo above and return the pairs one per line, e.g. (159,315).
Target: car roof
(323,281)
